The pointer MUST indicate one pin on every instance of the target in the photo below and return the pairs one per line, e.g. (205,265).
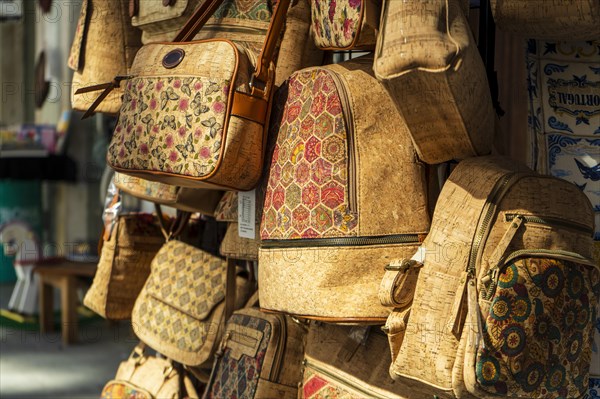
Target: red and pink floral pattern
(335,23)
(307,194)
(170,124)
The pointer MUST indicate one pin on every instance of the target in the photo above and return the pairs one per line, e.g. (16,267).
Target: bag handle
(208,8)
(176,227)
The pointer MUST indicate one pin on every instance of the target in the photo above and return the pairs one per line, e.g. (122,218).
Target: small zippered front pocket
(537,325)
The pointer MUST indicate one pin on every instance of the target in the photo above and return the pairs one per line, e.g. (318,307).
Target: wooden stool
(65,276)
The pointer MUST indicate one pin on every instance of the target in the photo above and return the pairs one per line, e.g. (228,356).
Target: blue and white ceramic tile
(594,392)
(564,93)
(569,76)
(577,160)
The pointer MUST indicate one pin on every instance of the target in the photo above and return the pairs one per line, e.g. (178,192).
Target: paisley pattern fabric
(307,192)
(76,55)
(539,330)
(238,378)
(171,124)
(335,23)
(121,390)
(244,9)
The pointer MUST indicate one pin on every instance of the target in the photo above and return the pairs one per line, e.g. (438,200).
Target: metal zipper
(550,221)
(340,381)
(280,350)
(487,213)
(349,122)
(342,241)
(491,280)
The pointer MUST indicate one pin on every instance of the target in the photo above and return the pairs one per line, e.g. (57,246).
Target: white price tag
(420,255)
(247,214)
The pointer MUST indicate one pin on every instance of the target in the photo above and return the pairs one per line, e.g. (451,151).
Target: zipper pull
(500,250)
(458,310)
(476,327)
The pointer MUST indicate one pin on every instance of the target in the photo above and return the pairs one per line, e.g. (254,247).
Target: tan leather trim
(263,64)
(249,107)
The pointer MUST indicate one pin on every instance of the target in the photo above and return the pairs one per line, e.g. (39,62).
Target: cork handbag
(332,217)
(161,20)
(509,260)
(427,55)
(104,46)
(124,265)
(348,362)
(345,24)
(198,111)
(149,377)
(182,198)
(181,309)
(260,356)
(552,20)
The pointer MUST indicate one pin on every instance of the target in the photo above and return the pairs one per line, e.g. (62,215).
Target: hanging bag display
(149,377)
(195,113)
(345,196)
(429,60)
(548,19)
(104,46)
(345,24)
(509,260)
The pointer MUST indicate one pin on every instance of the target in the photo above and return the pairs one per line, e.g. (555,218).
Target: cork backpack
(345,195)
(507,290)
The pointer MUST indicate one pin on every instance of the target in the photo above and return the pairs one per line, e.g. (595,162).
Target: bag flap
(76,55)
(152,11)
(187,279)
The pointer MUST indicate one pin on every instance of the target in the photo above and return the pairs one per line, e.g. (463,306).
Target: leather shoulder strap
(197,20)
(208,8)
(268,51)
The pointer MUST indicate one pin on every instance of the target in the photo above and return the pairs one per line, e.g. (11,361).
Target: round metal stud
(173,58)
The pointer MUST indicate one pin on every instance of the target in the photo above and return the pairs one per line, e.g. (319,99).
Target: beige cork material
(432,60)
(235,247)
(480,186)
(348,362)
(337,284)
(548,19)
(124,266)
(159,22)
(104,46)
